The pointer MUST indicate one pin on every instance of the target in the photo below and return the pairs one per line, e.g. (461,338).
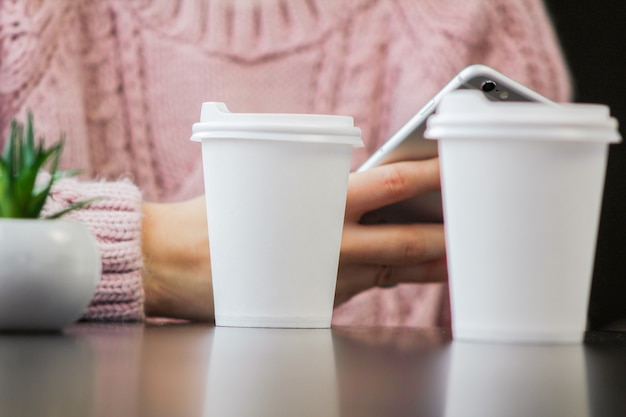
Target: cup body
(521,205)
(521,221)
(275,209)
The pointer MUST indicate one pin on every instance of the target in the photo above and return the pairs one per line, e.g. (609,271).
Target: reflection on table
(198,370)
(271,372)
(54,377)
(517,380)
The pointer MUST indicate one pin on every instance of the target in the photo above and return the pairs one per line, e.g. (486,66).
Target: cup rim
(217,122)
(466,114)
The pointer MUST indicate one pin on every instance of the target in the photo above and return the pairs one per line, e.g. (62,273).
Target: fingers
(363,277)
(389,244)
(386,184)
(386,254)
(435,270)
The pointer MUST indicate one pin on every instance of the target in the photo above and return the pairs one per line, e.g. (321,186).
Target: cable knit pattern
(125,79)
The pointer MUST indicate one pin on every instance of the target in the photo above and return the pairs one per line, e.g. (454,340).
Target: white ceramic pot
(49,270)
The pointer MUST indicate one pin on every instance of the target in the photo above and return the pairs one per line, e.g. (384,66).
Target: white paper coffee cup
(276,188)
(522,187)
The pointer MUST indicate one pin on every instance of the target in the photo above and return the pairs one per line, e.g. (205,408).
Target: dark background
(593,37)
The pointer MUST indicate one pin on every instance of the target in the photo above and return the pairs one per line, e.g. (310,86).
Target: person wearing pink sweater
(124,81)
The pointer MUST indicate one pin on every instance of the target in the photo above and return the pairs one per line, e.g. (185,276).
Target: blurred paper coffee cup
(522,188)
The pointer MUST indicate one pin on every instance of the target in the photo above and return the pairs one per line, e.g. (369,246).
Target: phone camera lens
(488,86)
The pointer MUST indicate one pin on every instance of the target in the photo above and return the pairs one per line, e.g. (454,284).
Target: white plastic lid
(467,114)
(216,121)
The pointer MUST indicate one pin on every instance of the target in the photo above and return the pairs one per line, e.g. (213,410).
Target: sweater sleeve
(115,221)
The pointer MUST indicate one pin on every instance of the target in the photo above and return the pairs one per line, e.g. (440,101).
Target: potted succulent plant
(50,267)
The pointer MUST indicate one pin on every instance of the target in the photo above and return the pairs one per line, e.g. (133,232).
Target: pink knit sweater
(124,80)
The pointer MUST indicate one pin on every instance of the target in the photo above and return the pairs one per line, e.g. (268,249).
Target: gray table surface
(183,370)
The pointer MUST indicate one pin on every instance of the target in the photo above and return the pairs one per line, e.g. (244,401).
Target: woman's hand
(175,243)
(386,254)
(177,268)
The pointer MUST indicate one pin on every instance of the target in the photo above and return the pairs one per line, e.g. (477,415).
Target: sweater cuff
(115,221)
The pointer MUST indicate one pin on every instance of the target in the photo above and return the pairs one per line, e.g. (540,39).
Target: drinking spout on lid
(213,110)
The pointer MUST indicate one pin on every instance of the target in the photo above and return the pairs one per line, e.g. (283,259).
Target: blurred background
(593,36)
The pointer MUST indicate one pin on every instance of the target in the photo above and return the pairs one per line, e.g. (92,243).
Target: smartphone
(408,142)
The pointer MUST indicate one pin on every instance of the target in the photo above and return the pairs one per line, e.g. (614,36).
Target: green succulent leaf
(65,174)
(74,206)
(23,158)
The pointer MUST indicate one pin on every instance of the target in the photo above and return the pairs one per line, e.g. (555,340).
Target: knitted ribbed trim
(115,221)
